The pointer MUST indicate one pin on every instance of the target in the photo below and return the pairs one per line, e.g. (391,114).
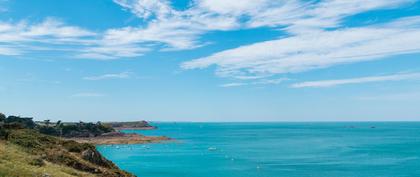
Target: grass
(16,162)
(29,153)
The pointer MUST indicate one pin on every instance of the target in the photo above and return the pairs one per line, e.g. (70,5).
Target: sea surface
(346,149)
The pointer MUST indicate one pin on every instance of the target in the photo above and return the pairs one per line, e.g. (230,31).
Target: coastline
(120,138)
(134,128)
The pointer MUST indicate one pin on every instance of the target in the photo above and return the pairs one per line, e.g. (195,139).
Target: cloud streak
(51,34)
(316,39)
(316,50)
(123,75)
(258,82)
(361,80)
(308,24)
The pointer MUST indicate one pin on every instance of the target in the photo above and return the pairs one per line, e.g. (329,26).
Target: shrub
(49,130)
(37,162)
(2,117)
(4,134)
(24,122)
(73,146)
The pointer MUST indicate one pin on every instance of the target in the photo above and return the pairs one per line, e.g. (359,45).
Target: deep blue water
(370,149)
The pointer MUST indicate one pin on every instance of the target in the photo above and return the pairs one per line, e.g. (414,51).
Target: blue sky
(210,60)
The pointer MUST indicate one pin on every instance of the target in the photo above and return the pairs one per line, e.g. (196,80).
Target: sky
(210,60)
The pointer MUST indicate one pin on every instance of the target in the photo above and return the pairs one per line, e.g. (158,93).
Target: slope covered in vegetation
(24,151)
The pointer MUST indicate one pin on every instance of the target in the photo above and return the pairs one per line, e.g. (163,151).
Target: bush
(24,122)
(25,139)
(4,134)
(49,130)
(13,125)
(73,146)
(37,162)
(2,117)
(84,129)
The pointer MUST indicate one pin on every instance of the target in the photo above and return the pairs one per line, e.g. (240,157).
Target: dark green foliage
(13,125)
(84,130)
(26,138)
(49,130)
(2,117)
(37,162)
(134,124)
(71,130)
(4,134)
(20,122)
(73,146)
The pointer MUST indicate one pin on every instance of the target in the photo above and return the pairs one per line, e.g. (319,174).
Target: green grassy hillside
(25,152)
(14,161)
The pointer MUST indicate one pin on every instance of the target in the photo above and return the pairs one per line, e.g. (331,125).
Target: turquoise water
(275,150)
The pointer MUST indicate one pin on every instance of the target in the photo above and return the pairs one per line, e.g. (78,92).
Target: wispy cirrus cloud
(122,75)
(234,84)
(257,82)
(360,80)
(50,30)
(165,28)
(316,40)
(322,49)
(51,34)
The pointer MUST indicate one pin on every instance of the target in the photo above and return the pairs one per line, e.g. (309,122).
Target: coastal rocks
(93,156)
(121,138)
(113,134)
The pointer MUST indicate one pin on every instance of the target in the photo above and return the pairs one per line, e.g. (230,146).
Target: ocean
(345,149)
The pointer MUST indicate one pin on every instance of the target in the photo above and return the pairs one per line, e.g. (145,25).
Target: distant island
(45,148)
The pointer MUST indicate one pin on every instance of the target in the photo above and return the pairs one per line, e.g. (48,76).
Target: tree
(23,122)
(58,124)
(2,117)
(47,122)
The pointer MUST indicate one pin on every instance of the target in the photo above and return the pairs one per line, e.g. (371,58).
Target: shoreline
(120,138)
(134,128)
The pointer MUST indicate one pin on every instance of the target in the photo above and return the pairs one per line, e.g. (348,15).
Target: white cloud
(49,31)
(147,8)
(123,75)
(51,34)
(270,81)
(257,82)
(331,83)
(6,50)
(165,28)
(109,51)
(55,28)
(235,84)
(320,49)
